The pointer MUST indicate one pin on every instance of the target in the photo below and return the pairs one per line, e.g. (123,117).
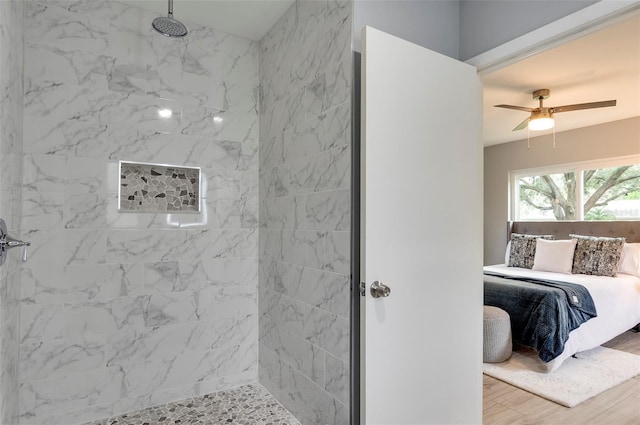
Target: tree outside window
(607,194)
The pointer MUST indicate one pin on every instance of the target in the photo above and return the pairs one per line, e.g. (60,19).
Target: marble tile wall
(122,311)
(11,144)
(305,195)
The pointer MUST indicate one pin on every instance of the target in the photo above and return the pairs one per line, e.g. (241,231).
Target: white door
(421,235)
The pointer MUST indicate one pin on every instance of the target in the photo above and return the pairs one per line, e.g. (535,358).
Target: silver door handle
(380,290)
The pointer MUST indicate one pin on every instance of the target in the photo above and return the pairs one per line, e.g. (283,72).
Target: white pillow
(554,256)
(630,259)
(507,253)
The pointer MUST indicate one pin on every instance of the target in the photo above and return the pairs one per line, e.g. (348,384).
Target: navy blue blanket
(542,312)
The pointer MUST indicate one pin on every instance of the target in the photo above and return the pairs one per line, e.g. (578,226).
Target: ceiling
(247,18)
(603,65)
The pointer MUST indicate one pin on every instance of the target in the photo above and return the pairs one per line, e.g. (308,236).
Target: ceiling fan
(542,117)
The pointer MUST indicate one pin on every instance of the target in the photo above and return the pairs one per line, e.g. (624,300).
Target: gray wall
(430,23)
(488,24)
(11,145)
(610,140)
(305,206)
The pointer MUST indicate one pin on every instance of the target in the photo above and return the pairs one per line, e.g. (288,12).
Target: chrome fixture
(380,290)
(7,242)
(169,26)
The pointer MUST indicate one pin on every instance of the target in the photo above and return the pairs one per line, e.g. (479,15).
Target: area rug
(576,380)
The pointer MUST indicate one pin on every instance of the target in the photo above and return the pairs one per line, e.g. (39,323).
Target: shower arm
(171,9)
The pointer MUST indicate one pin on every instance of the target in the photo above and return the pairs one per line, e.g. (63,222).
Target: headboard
(629,229)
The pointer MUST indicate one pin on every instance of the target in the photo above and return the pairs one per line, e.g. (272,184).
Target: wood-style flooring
(505,404)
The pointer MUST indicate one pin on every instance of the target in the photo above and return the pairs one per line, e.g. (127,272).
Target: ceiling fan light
(541,120)
(537,124)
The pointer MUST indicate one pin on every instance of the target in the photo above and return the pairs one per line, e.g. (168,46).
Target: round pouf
(497,335)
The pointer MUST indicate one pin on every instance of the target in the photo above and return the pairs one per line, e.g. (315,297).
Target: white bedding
(617,301)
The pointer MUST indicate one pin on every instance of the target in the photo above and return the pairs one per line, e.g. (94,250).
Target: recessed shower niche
(158,188)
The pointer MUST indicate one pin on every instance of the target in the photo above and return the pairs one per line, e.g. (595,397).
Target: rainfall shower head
(169,26)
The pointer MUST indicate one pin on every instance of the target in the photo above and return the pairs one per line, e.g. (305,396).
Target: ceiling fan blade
(519,108)
(522,125)
(578,106)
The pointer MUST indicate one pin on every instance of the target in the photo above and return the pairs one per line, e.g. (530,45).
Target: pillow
(597,256)
(554,256)
(507,253)
(630,259)
(523,249)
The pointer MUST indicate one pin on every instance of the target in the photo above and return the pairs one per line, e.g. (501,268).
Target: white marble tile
(328,170)
(189,366)
(187,275)
(170,308)
(41,322)
(99,282)
(283,311)
(99,210)
(329,331)
(337,378)
(68,31)
(44,398)
(44,172)
(101,317)
(322,289)
(308,402)
(329,210)
(155,245)
(58,358)
(225,302)
(304,248)
(337,126)
(303,356)
(337,256)
(278,213)
(84,246)
(42,210)
(304,139)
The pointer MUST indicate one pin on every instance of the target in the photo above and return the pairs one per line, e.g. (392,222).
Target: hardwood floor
(505,404)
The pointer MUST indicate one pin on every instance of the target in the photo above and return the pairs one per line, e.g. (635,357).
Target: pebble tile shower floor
(246,405)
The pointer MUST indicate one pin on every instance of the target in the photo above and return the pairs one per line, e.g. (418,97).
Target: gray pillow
(597,255)
(523,249)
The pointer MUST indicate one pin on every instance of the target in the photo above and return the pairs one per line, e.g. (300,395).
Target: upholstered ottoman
(497,335)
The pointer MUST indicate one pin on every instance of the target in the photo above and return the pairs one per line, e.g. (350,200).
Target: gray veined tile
(304,248)
(99,317)
(69,31)
(44,398)
(337,378)
(329,210)
(329,331)
(337,126)
(170,308)
(44,172)
(322,289)
(295,350)
(84,246)
(328,170)
(58,358)
(304,139)
(42,210)
(41,322)
(338,252)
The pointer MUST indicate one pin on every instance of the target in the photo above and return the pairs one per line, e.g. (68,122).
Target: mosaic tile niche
(158,188)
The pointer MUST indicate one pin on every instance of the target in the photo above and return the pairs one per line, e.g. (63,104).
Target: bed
(616,299)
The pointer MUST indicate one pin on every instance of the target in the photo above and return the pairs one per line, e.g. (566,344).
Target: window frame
(577,167)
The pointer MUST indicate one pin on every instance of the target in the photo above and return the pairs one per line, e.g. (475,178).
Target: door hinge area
(363,288)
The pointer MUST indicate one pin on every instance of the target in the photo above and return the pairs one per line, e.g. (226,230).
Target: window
(604,190)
